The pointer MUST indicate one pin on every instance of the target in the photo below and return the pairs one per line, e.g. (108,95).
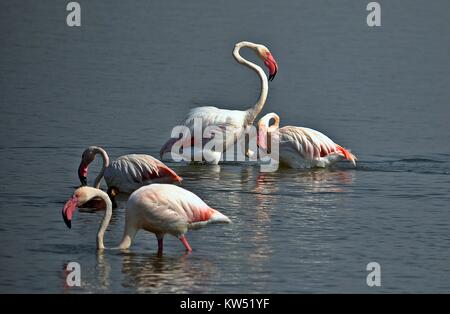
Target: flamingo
(301,147)
(157,208)
(127,173)
(231,123)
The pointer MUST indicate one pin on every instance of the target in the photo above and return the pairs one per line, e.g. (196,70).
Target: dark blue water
(133,70)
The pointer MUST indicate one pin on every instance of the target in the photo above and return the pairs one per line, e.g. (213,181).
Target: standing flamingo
(300,147)
(127,173)
(157,208)
(231,123)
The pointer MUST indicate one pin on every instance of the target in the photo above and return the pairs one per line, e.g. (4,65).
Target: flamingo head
(86,158)
(265,129)
(81,196)
(268,59)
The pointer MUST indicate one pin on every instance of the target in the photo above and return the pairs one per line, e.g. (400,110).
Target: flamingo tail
(173,175)
(218,217)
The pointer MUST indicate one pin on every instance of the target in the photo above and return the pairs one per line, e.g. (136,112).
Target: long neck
(130,228)
(106,218)
(253,112)
(105,164)
(276,123)
(264,123)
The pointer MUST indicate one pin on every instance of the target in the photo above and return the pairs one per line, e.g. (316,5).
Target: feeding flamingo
(300,147)
(230,123)
(127,173)
(157,208)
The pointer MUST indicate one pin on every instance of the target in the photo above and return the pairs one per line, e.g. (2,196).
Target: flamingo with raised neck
(231,123)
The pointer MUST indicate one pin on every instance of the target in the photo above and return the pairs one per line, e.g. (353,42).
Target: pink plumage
(231,124)
(301,147)
(158,208)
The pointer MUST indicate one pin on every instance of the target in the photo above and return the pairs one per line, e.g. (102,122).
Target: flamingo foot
(185,243)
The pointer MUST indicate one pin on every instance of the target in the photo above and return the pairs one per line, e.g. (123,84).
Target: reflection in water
(104,272)
(156,274)
(265,209)
(311,180)
(259,232)
(305,201)
(197,170)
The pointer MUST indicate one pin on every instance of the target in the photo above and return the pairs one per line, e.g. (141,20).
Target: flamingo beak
(272,65)
(82,173)
(68,210)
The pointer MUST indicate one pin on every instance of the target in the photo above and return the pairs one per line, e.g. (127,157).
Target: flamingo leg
(160,247)
(185,243)
(160,238)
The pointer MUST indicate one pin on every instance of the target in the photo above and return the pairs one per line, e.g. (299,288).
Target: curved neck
(130,229)
(265,122)
(105,158)
(106,218)
(276,123)
(253,112)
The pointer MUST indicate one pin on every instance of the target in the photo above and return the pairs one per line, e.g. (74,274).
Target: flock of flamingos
(162,208)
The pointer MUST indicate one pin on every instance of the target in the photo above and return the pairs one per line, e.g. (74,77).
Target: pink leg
(185,243)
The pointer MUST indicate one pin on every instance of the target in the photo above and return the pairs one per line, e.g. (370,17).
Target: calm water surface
(133,70)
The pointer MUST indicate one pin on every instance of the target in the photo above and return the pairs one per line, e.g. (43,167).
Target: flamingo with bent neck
(300,147)
(157,208)
(127,173)
(230,123)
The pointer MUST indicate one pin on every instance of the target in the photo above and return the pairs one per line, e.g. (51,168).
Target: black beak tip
(272,76)
(83,181)
(67,221)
